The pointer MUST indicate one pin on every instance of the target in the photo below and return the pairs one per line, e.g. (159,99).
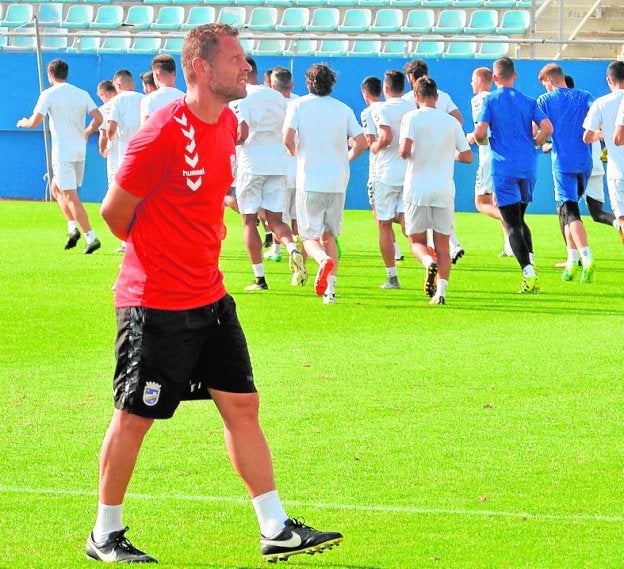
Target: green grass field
(487,433)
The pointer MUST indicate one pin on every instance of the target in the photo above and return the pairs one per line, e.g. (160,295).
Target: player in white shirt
(67,106)
(485,201)
(602,116)
(316,130)
(108,148)
(164,71)
(389,169)
(430,142)
(261,175)
(414,70)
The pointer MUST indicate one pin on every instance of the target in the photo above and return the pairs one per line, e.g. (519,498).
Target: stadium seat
(50,14)
(107,18)
(393,49)
(428,46)
(349,3)
(387,20)
(482,22)
(468,3)
(232,15)
(301,46)
(499,3)
(309,2)
(55,42)
(172,45)
(493,50)
(356,20)
(450,22)
(280,3)
(249,2)
(247,44)
(332,48)
(294,20)
(418,22)
(406,4)
(262,19)
(199,15)
(373,3)
(436,3)
(23,40)
(514,22)
(365,48)
(156,1)
(460,50)
(527,4)
(98,1)
(169,18)
(17,15)
(86,42)
(324,20)
(4,39)
(115,44)
(269,47)
(139,16)
(78,16)
(145,43)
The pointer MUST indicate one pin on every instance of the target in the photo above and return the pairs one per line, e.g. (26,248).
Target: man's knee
(569,212)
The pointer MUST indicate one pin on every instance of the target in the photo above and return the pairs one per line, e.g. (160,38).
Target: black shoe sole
(430,282)
(73,239)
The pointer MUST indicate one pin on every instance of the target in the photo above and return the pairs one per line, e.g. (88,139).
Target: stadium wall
(22,159)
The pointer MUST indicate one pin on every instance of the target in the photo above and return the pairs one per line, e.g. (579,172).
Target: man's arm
(242,132)
(545,130)
(117,210)
(359,146)
(34,121)
(405,147)
(383,139)
(618,135)
(457,115)
(102,143)
(111,129)
(466,156)
(289,141)
(480,132)
(94,125)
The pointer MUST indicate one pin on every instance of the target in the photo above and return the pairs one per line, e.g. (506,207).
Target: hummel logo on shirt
(191,157)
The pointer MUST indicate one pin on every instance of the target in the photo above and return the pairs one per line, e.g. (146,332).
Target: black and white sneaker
(297,538)
(116,549)
(72,239)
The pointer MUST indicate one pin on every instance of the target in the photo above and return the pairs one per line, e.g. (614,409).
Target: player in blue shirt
(571,163)
(511,117)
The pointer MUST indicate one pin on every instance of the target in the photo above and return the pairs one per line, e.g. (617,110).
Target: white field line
(353,507)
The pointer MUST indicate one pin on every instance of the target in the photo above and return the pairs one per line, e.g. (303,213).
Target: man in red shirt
(178,334)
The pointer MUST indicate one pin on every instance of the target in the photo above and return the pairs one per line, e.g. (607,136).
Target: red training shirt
(182,168)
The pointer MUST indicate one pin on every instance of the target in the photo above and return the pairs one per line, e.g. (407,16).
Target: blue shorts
(570,187)
(511,191)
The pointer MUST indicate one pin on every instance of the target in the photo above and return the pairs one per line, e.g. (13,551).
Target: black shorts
(168,356)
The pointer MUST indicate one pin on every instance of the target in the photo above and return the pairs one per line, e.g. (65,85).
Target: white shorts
(484,184)
(68,175)
(616,195)
(319,212)
(595,188)
(290,207)
(388,201)
(255,192)
(419,218)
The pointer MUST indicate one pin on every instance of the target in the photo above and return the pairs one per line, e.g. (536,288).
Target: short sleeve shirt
(182,168)
(368,125)
(126,112)
(158,99)
(444,102)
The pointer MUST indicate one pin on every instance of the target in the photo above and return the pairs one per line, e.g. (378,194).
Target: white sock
(270,513)
(528,271)
(72,225)
(258,270)
(430,238)
(616,223)
(441,290)
(331,284)
(290,247)
(426,261)
(108,520)
(397,251)
(90,237)
(573,256)
(320,256)
(277,248)
(453,242)
(392,271)
(586,256)
(531,258)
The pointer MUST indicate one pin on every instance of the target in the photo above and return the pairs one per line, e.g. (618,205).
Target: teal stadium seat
(324,20)
(499,3)
(54,39)
(450,22)
(85,42)
(393,49)
(98,1)
(247,44)
(527,4)
(157,1)
(431,46)
(294,20)
(468,3)
(514,22)
(232,15)
(169,18)
(23,40)
(140,17)
(199,15)
(280,3)
(482,22)
(373,3)
(107,18)
(461,50)
(387,20)
(332,48)
(4,39)
(78,16)
(494,49)
(115,44)
(348,3)
(301,46)
(249,2)
(436,3)
(262,19)
(418,22)
(172,45)
(17,15)
(365,48)
(309,2)
(145,43)
(50,14)
(405,4)
(356,20)
(269,47)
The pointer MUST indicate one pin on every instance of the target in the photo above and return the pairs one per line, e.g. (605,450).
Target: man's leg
(443,259)
(80,215)
(253,244)
(283,233)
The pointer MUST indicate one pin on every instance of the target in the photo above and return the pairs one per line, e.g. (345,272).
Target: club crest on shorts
(151,393)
